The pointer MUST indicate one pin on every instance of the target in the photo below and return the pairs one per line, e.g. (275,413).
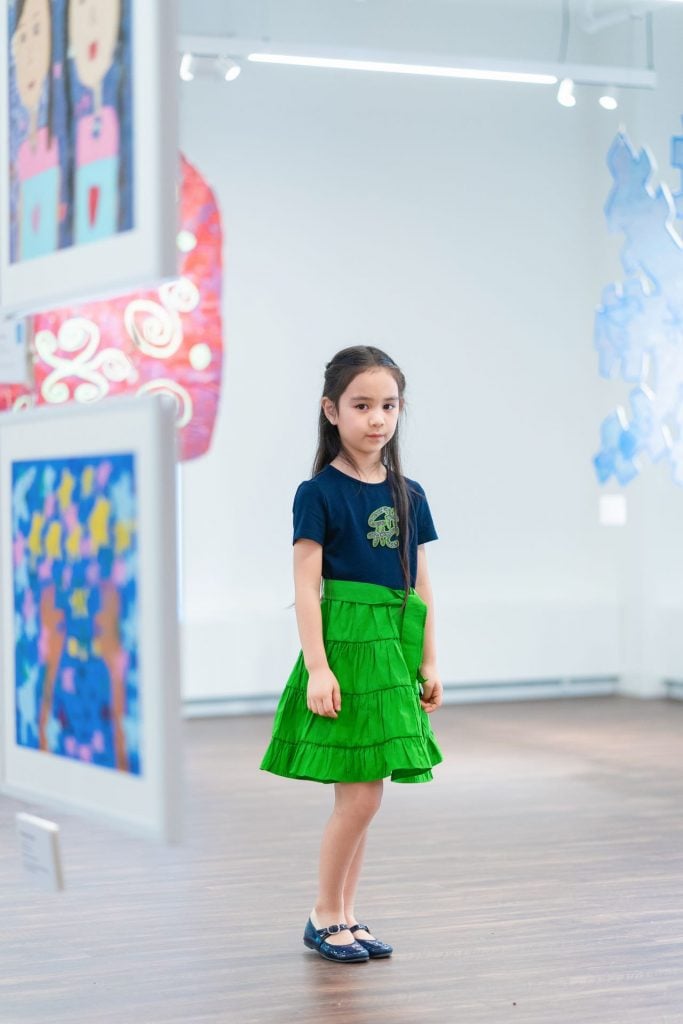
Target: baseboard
(507,640)
(215,707)
(454,693)
(674,688)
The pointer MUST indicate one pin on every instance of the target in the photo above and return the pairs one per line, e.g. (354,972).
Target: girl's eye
(390,405)
(362,405)
(36,29)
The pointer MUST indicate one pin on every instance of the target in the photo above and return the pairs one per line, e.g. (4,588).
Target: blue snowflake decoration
(639,325)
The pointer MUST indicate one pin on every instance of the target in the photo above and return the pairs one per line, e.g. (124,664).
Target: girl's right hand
(323,695)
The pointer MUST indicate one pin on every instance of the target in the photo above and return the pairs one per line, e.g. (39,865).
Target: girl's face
(32,48)
(93,35)
(367,413)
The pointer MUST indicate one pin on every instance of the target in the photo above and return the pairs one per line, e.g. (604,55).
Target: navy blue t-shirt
(356,524)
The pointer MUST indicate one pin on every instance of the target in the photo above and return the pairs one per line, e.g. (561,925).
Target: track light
(608,100)
(230,68)
(193,64)
(565,93)
(186,72)
(211,50)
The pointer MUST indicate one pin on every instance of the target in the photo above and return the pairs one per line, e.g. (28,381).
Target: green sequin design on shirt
(384,523)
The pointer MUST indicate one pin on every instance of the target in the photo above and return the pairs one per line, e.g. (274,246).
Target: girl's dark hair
(18,15)
(339,373)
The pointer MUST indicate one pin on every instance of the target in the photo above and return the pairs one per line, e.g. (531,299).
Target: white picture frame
(130,258)
(146,802)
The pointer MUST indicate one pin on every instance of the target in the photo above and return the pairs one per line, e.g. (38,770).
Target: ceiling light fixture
(186,72)
(565,93)
(608,100)
(395,67)
(548,73)
(230,68)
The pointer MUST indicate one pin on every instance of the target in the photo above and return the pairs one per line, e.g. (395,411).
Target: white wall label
(613,509)
(39,850)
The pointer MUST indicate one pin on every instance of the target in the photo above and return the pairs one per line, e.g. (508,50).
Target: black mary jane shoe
(349,953)
(375,948)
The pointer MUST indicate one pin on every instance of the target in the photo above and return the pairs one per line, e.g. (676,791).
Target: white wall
(459,226)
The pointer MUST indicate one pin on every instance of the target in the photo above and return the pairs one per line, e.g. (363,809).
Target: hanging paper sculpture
(639,326)
(166,340)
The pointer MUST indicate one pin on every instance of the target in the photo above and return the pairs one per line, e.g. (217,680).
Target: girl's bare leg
(355,805)
(351,886)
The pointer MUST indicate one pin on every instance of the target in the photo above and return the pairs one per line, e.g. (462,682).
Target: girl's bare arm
(323,697)
(432,689)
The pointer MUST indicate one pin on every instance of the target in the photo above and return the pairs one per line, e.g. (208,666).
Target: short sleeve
(310,520)
(426,530)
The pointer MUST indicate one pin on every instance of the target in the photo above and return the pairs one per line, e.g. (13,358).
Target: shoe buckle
(334,929)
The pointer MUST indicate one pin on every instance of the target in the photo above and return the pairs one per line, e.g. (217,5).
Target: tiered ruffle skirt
(374,648)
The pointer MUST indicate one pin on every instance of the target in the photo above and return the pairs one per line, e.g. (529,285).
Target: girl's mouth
(92,50)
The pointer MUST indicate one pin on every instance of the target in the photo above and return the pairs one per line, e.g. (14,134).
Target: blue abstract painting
(639,324)
(74,537)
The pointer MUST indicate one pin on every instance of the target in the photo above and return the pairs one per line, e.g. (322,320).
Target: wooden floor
(538,879)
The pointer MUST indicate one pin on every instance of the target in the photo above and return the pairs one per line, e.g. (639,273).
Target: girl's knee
(361,799)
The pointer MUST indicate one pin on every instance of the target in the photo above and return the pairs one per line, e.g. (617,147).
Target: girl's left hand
(432,688)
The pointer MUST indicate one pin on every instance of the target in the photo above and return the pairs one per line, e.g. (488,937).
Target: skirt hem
(396,760)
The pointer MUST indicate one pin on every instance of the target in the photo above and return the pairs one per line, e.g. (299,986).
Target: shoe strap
(359,928)
(332,929)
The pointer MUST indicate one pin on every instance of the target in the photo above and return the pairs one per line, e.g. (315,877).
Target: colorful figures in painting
(93,34)
(50,650)
(114,657)
(71,123)
(75,599)
(38,162)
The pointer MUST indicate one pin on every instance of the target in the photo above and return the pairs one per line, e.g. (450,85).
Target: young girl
(355,708)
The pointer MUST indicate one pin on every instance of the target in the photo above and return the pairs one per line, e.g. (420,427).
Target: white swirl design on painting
(182,295)
(166,386)
(96,370)
(23,402)
(155,328)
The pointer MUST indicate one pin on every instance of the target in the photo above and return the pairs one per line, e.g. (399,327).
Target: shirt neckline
(355,480)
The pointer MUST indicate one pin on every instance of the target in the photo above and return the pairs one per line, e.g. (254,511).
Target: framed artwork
(89,678)
(88,148)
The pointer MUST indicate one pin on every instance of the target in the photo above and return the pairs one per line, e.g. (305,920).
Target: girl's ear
(330,410)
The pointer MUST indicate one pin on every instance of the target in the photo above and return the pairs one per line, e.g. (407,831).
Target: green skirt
(374,648)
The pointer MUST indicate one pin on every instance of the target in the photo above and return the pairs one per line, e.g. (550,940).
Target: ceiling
(273,17)
(505,29)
